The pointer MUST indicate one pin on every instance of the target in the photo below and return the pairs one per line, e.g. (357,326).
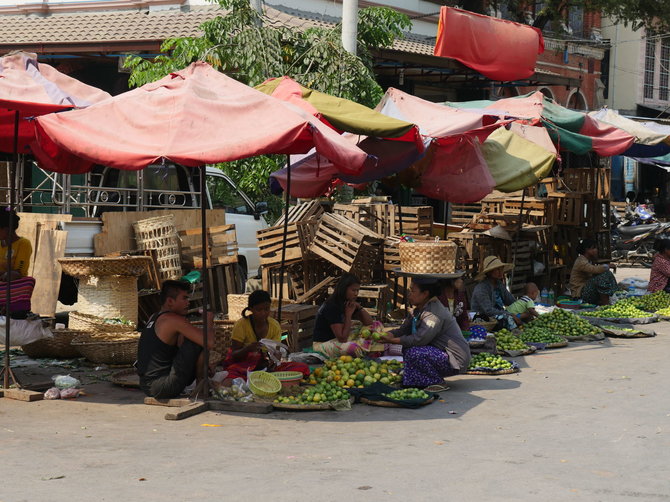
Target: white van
(168,186)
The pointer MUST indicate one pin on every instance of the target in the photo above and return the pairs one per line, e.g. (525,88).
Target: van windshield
(225,196)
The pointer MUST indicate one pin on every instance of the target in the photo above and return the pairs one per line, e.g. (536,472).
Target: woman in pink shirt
(660,267)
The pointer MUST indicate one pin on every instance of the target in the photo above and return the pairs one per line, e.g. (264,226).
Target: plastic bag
(52,393)
(69,393)
(276,351)
(23,331)
(65,382)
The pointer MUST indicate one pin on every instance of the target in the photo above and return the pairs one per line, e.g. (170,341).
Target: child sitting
(524,307)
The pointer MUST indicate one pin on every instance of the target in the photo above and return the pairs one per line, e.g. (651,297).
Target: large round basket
(94,324)
(264,384)
(160,233)
(58,347)
(99,267)
(117,349)
(428,257)
(110,297)
(308,407)
(488,325)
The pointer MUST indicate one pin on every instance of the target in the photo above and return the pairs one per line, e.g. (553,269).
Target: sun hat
(492,263)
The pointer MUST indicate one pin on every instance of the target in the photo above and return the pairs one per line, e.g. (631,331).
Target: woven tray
(486,324)
(94,324)
(118,349)
(476,343)
(556,345)
(306,407)
(389,404)
(493,372)
(58,347)
(122,265)
(126,378)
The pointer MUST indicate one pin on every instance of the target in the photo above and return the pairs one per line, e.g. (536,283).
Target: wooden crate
(415,220)
(535,211)
(271,242)
(222,246)
(397,290)
(301,212)
(604,242)
(374,298)
(347,245)
(298,321)
(598,215)
(391,253)
(520,254)
(571,208)
(463,214)
(474,247)
(594,181)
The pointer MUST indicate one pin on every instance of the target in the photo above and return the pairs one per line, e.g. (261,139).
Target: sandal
(438,387)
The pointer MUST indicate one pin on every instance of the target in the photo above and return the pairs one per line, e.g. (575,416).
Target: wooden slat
(23,395)
(187,411)
(47,271)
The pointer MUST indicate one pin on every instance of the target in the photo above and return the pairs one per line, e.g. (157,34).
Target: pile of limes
(489,361)
(563,323)
(321,393)
(651,302)
(618,311)
(506,340)
(406,394)
(665,311)
(535,334)
(348,372)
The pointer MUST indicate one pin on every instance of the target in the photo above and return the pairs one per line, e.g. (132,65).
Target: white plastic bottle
(551,299)
(544,296)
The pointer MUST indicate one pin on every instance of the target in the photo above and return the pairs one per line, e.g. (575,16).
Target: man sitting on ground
(524,307)
(169,355)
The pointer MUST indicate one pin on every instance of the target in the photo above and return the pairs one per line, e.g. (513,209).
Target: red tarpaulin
(193,117)
(32,89)
(498,49)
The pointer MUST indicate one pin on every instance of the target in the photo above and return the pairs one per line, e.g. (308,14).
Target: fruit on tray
(373,332)
(536,334)
(618,311)
(347,372)
(664,312)
(651,302)
(409,393)
(323,392)
(489,361)
(619,328)
(506,340)
(563,323)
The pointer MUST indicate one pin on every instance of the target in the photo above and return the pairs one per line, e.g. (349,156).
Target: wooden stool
(298,320)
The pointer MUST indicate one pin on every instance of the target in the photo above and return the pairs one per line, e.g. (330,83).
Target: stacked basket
(58,347)
(160,234)
(104,342)
(428,257)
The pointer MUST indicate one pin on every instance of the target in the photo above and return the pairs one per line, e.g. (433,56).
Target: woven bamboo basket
(112,296)
(122,265)
(58,347)
(117,349)
(428,257)
(223,336)
(237,304)
(160,233)
(94,324)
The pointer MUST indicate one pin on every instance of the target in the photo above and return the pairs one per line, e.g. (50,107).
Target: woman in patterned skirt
(433,345)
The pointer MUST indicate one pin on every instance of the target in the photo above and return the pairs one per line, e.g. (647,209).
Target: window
(664,72)
(649,64)
(225,196)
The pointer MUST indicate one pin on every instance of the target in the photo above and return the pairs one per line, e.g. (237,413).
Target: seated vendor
(491,296)
(524,307)
(169,354)
(660,267)
(433,345)
(21,287)
(332,328)
(247,352)
(589,282)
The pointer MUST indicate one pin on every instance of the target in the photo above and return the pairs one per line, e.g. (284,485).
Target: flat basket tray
(122,265)
(556,345)
(508,371)
(476,343)
(389,404)
(306,407)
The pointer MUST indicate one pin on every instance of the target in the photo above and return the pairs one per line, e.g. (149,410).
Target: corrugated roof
(87,27)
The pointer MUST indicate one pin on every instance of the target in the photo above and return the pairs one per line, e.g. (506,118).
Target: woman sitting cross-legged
(588,281)
(433,345)
(247,353)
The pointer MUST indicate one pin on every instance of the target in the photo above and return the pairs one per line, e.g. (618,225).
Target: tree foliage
(251,48)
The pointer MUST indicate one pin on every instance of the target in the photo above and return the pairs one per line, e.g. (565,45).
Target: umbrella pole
(7,370)
(446,217)
(284,237)
(517,235)
(203,387)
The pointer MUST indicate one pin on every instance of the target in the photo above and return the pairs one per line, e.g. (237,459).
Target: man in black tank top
(169,355)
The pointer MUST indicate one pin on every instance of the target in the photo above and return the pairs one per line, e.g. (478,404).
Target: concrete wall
(626,66)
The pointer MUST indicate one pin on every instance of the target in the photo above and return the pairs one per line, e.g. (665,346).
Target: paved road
(587,423)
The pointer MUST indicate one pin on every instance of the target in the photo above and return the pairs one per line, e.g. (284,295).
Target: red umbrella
(27,89)
(194,117)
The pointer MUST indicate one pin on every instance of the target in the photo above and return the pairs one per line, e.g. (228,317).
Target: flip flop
(439,387)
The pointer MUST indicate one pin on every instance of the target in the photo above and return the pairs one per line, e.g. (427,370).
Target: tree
(251,48)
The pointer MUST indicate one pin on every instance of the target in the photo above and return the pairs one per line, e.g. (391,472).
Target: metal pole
(350,25)
(12,173)
(285,237)
(446,218)
(205,279)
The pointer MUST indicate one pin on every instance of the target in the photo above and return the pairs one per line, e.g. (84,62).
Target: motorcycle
(635,243)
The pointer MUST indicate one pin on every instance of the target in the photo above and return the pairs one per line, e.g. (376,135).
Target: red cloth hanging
(496,48)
